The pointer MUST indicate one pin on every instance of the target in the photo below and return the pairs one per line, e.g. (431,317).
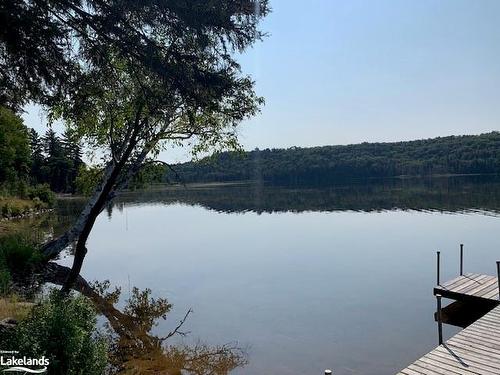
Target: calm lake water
(304,278)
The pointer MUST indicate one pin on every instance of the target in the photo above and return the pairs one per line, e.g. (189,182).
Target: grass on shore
(25,199)
(13,307)
(12,207)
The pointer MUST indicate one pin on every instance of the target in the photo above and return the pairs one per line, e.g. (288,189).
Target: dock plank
(474,350)
(470,286)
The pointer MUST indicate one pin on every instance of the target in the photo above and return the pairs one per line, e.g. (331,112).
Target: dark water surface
(304,278)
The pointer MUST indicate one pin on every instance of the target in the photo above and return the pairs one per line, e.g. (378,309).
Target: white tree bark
(56,246)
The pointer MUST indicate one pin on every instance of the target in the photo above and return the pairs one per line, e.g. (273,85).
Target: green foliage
(129,79)
(147,175)
(56,160)
(31,198)
(64,331)
(187,46)
(478,154)
(87,179)
(89,176)
(18,253)
(26,159)
(184,88)
(23,162)
(5,280)
(14,149)
(43,193)
(13,207)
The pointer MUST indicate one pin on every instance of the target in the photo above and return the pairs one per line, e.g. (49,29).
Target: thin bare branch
(177,330)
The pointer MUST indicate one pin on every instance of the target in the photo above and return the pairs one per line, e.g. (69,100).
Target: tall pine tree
(73,155)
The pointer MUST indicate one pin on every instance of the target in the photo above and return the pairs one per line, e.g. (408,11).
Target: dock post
(328,372)
(498,277)
(440,321)
(461,259)
(438,267)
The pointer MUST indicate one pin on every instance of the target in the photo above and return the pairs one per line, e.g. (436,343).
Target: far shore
(216,184)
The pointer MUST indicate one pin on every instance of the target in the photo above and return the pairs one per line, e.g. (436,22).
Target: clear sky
(348,71)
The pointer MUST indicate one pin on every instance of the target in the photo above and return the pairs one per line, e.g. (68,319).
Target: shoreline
(26,215)
(211,184)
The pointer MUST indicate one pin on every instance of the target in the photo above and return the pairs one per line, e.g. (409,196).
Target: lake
(304,278)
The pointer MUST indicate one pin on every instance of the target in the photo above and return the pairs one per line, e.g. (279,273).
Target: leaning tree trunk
(85,222)
(102,194)
(116,176)
(116,180)
(52,248)
(105,196)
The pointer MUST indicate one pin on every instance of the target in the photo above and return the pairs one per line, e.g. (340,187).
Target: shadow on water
(464,313)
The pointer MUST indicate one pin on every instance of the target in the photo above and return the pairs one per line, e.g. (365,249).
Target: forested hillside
(469,154)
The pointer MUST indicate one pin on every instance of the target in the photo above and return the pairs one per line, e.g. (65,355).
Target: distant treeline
(470,154)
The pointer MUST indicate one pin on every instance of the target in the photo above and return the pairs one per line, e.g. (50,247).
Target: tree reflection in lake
(135,350)
(448,194)
(444,194)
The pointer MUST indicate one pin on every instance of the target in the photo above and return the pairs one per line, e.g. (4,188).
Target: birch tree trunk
(52,248)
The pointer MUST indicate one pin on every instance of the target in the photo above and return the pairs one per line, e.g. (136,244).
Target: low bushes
(27,199)
(18,255)
(12,207)
(62,329)
(43,194)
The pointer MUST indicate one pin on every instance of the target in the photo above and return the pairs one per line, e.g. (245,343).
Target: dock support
(498,277)
(461,259)
(438,267)
(439,319)
(328,372)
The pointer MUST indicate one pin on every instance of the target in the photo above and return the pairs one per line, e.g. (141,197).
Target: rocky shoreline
(27,214)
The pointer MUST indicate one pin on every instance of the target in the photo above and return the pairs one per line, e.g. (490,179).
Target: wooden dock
(473,351)
(476,349)
(470,286)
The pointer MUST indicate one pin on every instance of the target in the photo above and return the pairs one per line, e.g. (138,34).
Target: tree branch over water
(131,79)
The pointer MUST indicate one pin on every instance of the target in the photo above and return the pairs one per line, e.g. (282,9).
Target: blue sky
(347,71)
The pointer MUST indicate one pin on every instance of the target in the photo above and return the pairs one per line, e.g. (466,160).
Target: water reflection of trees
(135,350)
(453,194)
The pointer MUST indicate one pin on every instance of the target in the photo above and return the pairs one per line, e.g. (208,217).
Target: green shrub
(6,209)
(22,189)
(16,210)
(64,331)
(18,254)
(43,193)
(38,203)
(5,279)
